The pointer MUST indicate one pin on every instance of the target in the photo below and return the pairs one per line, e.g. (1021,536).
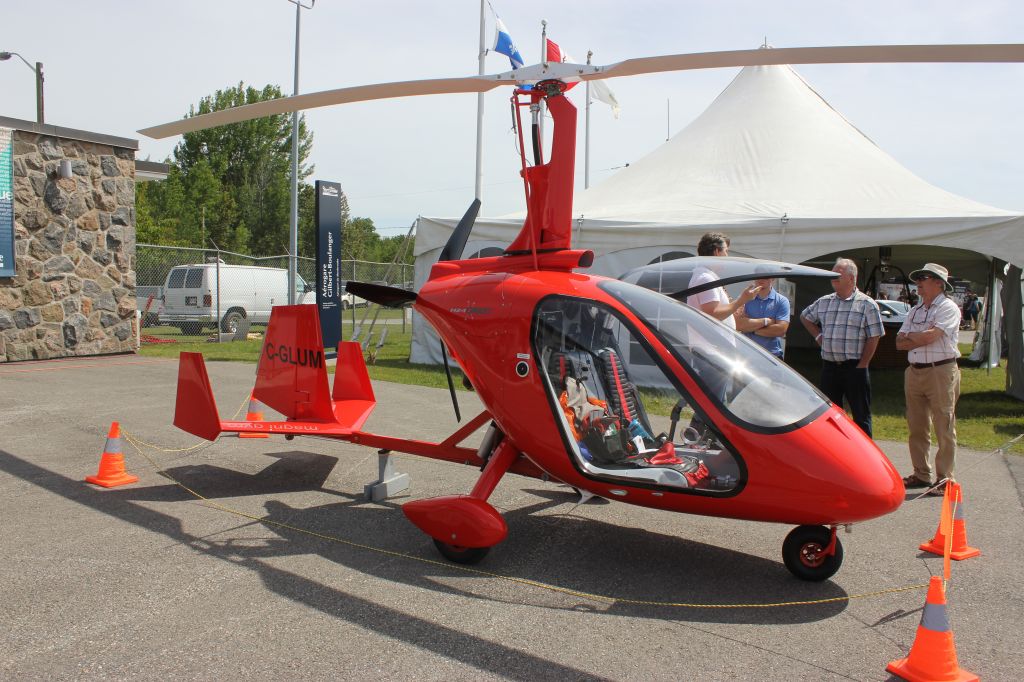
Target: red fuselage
(826,471)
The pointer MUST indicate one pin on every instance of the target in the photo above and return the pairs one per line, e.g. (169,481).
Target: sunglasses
(921,278)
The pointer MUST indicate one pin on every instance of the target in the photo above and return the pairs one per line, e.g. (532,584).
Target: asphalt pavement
(284,571)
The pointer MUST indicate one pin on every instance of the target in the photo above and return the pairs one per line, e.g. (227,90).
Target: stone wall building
(73,292)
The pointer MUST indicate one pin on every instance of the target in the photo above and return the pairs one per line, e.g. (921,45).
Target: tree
(235,178)
(390,248)
(359,240)
(252,159)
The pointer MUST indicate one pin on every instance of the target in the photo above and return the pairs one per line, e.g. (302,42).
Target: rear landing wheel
(804,553)
(461,555)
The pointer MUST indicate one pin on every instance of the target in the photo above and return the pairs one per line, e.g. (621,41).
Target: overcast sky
(116,66)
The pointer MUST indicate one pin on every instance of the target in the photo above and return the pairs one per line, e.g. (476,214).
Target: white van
(246,292)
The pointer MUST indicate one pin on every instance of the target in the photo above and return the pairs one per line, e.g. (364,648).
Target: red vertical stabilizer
(194,409)
(292,373)
(353,393)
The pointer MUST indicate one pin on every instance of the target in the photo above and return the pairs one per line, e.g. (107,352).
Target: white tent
(770,163)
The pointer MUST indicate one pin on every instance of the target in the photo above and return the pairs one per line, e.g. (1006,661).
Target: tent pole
(989,322)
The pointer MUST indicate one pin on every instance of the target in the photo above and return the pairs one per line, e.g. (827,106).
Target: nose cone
(875,487)
(869,485)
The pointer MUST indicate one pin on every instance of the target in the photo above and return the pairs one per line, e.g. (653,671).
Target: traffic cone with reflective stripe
(961,550)
(112,472)
(932,657)
(254,414)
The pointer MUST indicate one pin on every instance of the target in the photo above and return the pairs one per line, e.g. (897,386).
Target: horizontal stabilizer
(389,297)
(194,409)
(292,373)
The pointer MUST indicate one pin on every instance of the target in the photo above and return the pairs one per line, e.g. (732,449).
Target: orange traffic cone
(960,550)
(932,656)
(254,414)
(111,472)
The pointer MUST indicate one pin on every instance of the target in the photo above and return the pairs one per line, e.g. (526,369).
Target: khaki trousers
(931,394)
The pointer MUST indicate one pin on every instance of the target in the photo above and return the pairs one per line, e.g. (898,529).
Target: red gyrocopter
(602,384)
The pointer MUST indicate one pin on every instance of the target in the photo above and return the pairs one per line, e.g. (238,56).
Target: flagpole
(480,111)
(586,136)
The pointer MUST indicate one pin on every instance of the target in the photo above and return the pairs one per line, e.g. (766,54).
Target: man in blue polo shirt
(765,318)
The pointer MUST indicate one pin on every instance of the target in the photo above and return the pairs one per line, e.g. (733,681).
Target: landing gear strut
(465,527)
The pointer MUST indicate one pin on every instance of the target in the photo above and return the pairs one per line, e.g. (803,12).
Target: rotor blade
(855,54)
(858,54)
(451,384)
(359,93)
(672,277)
(389,297)
(457,242)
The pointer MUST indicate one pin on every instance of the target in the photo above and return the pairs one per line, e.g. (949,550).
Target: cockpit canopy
(626,417)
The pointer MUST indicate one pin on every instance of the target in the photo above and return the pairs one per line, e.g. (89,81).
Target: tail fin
(292,373)
(195,410)
(353,393)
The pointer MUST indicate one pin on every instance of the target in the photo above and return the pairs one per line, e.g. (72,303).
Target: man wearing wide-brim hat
(931,383)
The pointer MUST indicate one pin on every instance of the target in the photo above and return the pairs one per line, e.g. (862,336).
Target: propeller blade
(457,242)
(389,297)
(451,384)
(857,54)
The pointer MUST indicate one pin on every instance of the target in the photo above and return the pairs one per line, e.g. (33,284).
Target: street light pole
(293,223)
(38,70)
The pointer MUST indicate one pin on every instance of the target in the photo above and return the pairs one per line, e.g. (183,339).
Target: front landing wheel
(461,555)
(804,553)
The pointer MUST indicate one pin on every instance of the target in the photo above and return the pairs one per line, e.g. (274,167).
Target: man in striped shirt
(847,325)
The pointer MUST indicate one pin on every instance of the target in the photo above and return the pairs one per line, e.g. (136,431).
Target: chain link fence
(203,293)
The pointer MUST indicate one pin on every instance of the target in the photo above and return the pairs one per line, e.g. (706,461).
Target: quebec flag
(503,44)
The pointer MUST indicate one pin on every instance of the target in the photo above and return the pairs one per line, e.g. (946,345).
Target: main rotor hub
(551,87)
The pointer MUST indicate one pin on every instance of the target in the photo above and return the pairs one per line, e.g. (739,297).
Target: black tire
(190,328)
(229,324)
(461,555)
(803,553)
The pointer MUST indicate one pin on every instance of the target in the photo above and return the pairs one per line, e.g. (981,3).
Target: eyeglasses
(922,313)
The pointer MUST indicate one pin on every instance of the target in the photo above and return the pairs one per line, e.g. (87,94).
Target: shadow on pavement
(574,553)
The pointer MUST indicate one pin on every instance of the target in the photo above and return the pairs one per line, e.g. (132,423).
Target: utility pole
(38,71)
(293,223)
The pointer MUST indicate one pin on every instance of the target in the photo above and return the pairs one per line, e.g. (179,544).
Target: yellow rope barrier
(135,443)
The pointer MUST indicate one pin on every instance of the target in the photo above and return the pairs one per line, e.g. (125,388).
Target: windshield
(749,385)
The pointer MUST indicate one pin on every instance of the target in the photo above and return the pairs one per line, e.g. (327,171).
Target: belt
(841,362)
(925,365)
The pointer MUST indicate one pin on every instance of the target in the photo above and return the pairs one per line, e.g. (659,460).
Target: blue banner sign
(6,203)
(328,261)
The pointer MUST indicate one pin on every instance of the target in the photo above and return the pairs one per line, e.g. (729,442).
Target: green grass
(986,416)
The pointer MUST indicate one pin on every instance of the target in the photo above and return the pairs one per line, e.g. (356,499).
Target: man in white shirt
(931,383)
(715,302)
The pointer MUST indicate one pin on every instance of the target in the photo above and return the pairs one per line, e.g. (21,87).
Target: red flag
(555,55)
